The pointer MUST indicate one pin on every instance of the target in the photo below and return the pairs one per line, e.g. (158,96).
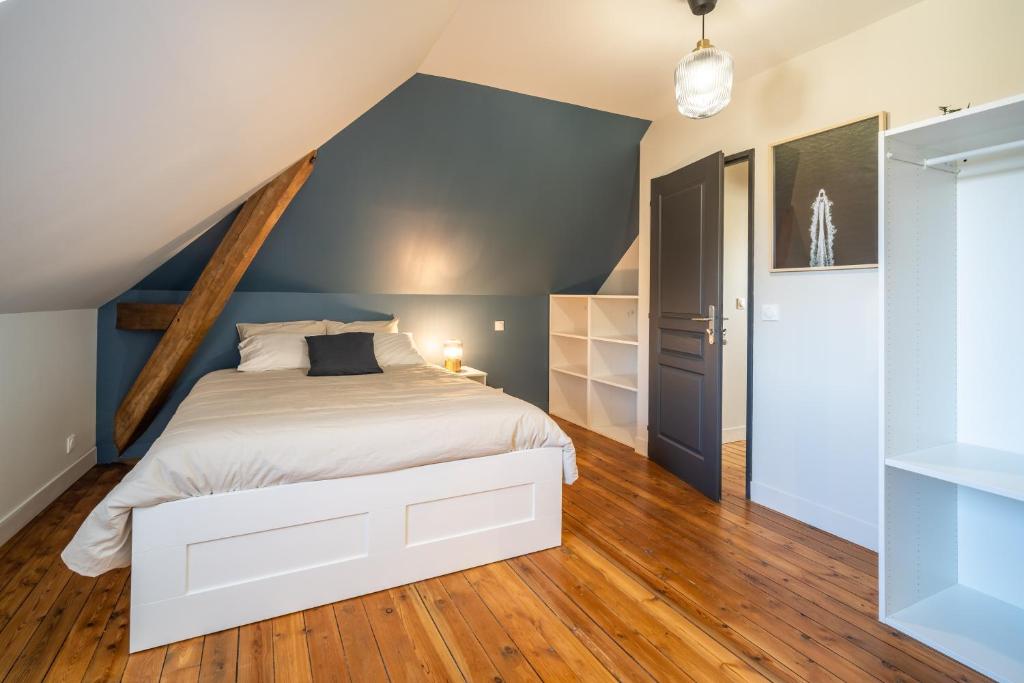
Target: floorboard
(653,582)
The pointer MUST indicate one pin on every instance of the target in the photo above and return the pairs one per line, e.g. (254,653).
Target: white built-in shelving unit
(951,561)
(593,357)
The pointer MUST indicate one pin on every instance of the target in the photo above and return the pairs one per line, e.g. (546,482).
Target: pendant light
(703,77)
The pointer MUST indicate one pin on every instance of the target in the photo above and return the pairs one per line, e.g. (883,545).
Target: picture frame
(825,198)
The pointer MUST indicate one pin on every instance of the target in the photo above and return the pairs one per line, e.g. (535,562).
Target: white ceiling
(619,55)
(128,125)
(127,128)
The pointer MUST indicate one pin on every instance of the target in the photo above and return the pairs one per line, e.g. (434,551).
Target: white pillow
(307,328)
(335,327)
(275,351)
(395,348)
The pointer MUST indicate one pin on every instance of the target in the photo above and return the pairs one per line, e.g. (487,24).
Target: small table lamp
(453,355)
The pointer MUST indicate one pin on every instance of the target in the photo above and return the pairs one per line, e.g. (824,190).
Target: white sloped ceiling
(129,126)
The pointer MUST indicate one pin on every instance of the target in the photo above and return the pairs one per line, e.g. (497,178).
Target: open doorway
(737,332)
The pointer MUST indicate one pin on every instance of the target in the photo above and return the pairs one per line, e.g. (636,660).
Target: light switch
(499,325)
(741,303)
(770,312)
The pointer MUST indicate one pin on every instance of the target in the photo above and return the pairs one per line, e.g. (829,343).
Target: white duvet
(238,431)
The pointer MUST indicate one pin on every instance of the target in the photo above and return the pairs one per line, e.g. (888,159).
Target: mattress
(237,431)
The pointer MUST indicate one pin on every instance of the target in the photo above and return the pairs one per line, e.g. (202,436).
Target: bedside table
(473,374)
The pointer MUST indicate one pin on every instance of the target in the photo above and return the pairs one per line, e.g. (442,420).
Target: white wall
(734,285)
(623,278)
(815,434)
(47,391)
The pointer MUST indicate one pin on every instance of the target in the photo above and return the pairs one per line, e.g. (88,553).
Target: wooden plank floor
(653,582)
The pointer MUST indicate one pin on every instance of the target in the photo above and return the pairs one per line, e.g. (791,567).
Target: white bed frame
(214,562)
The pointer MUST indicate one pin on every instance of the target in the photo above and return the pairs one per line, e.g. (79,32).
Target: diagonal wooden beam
(205,302)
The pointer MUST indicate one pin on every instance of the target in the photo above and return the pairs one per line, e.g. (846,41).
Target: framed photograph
(826,198)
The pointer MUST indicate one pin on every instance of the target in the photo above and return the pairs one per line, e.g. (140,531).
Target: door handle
(710,320)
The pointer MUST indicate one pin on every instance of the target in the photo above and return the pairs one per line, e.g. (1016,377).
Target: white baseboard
(730,434)
(17,518)
(833,521)
(641,443)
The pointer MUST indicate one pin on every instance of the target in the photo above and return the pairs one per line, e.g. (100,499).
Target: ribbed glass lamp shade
(704,81)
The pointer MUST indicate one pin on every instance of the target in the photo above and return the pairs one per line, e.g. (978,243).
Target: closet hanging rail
(936,162)
(980,151)
(919,164)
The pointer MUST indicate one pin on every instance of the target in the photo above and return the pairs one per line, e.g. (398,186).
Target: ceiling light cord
(702,26)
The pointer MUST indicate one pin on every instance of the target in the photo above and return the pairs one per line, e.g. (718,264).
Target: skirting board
(817,515)
(15,520)
(730,434)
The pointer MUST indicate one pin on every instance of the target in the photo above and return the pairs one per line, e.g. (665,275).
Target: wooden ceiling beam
(205,302)
(144,317)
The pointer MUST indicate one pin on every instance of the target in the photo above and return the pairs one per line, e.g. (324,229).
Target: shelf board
(618,339)
(627,382)
(985,469)
(979,630)
(569,416)
(572,370)
(569,335)
(624,433)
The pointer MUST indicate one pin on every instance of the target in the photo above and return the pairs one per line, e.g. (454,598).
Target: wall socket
(499,325)
(69,443)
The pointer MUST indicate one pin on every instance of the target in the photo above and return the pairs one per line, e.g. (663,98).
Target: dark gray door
(685,418)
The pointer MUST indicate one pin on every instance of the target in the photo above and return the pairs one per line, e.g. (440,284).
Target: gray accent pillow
(342,354)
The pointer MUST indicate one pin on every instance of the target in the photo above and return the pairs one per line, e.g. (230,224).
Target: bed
(273,492)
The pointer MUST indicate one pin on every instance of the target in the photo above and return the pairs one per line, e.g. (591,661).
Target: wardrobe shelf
(986,469)
(951,516)
(976,628)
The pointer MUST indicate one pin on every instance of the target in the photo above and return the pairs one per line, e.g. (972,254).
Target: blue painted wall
(446,187)
(448,203)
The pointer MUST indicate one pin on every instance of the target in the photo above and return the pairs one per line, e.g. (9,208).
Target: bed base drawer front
(207,518)
(205,584)
(436,520)
(293,548)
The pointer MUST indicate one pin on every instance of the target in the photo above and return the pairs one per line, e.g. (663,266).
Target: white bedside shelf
(473,374)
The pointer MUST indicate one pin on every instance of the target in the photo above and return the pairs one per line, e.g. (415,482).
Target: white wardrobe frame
(951,473)
(209,563)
